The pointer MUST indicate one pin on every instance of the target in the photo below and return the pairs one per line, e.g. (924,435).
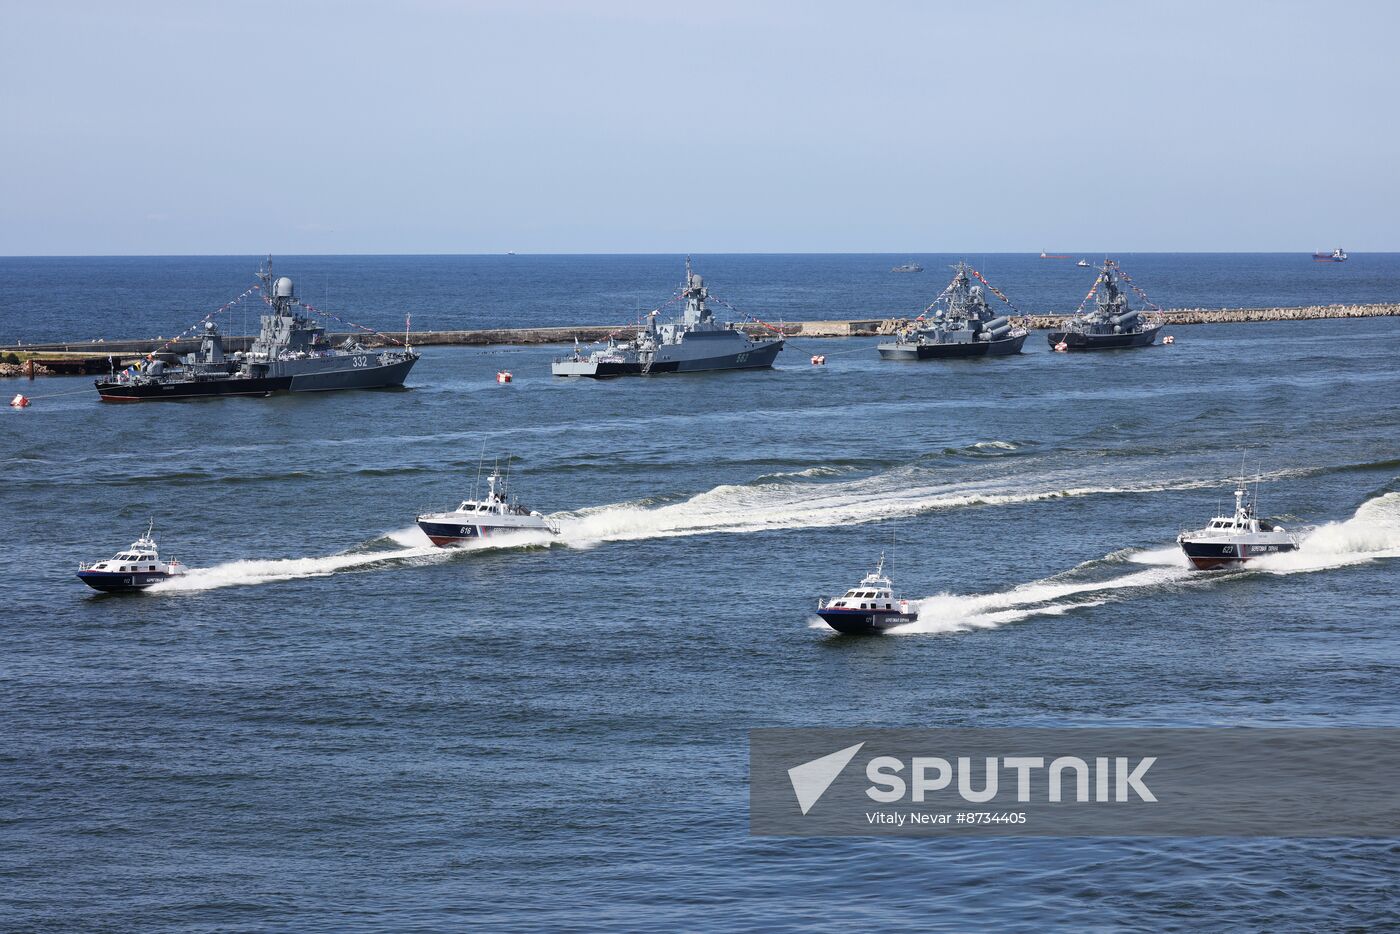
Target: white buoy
(1169,339)
(503,377)
(20,401)
(1061,347)
(818,359)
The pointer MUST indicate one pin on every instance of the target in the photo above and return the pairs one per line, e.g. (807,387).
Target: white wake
(1371,534)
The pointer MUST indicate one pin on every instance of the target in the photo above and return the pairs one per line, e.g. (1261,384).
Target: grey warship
(1111,324)
(958,323)
(291,354)
(695,343)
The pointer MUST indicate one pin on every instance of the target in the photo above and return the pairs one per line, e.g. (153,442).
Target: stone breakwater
(92,356)
(1239,315)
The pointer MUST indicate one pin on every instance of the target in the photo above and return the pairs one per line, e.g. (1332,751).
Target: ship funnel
(282,288)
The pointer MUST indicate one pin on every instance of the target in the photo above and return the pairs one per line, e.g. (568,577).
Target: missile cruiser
(1112,324)
(696,343)
(962,324)
(290,354)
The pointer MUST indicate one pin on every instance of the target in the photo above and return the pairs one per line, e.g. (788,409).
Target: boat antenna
(151,529)
(480,460)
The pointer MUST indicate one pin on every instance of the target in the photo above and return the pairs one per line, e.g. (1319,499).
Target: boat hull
(447,534)
(759,357)
(367,377)
(864,622)
(122,582)
(953,350)
(1075,340)
(1211,556)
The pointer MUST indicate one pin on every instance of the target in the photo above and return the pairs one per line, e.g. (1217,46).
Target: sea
(331,725)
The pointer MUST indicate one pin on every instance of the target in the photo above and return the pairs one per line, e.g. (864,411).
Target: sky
(612,126)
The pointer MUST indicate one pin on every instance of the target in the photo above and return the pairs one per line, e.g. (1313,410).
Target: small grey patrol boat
(958,323)
(696,343)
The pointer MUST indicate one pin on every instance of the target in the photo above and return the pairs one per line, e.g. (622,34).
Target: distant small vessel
(1112,324)
(1231,541)
(696,343)
(1338,255)
(137,568)
(498,512)
(908,267)
(962,324)
(1083,264)
(869,607)
(1044,255)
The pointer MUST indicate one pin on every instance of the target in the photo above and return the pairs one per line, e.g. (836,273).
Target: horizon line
(505,253)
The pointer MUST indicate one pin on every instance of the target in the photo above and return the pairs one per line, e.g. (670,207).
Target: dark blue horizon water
(331,726)
(81,298)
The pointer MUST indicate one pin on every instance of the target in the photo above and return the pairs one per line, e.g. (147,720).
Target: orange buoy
(1169,339)
(1061,347)
(503,376)
(20,401)
(818,359)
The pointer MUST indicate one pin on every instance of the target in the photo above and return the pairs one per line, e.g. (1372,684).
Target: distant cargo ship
(1338,255)
(1044,255)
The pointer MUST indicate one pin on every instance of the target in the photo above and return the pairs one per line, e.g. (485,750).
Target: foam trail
(1371,534)
(414,548)
(947,612)
(742,508)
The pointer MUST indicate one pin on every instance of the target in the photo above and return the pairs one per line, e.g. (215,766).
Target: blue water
(331,726)
(81,298)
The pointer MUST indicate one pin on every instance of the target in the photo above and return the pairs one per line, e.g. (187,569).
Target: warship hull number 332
(290,354)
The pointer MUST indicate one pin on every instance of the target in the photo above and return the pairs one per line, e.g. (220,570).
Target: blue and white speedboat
(869,607)
(137,568)
(1235,540)
(495,514)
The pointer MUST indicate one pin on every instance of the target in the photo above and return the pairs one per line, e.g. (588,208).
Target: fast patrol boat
(498,512)
(137,568)
(1231,541)
(869,607)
